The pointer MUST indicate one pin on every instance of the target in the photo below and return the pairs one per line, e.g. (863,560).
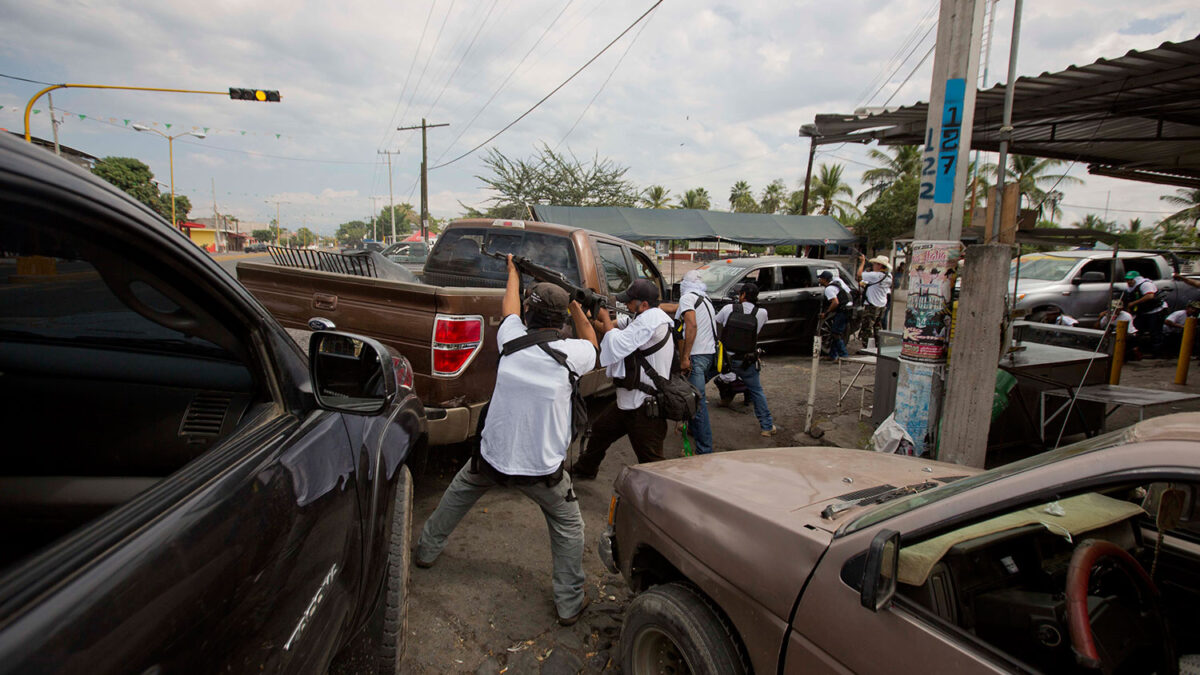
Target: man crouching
(526,433)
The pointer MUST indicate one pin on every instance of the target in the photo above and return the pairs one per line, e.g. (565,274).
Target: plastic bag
(891,437)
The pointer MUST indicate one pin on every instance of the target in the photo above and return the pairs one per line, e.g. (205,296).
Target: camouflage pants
(869,322)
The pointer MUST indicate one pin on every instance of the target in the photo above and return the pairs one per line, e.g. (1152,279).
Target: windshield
(905,505)
(1043,267)
(716,275)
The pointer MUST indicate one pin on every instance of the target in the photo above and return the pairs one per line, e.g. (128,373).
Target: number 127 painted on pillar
(947,144)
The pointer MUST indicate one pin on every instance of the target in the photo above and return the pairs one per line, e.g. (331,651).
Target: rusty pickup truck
(445,321)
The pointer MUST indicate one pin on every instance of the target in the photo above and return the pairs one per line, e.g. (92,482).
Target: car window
(644,269)
(612,261)
(762,277)
(457,251)
(1147,267)
(1102,266)
(716,275)
(1042,267)
(797,276)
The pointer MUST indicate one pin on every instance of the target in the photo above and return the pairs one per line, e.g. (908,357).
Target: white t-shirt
(647,329)
(1066,320)
(1121,316)
(1143,286)
(760,314)
(877,286)
(705,342)
(528,423)
(1178,317)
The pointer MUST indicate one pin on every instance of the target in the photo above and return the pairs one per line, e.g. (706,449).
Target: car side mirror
(351,373)
(1089,278)
(879,573)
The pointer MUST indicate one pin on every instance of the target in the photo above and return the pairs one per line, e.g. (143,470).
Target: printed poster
(914,398)
(932,272)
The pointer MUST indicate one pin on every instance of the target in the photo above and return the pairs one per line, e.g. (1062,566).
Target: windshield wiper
(834,510)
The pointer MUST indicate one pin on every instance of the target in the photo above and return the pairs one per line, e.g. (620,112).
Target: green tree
(1189,200)
(904,160)
(893,213)
(1092,221)
(741,199)
(407,219)
(656,197)
(305,236)
(773,196)
(556,178)
(266,235)
(1173,232)
(355,230)
(1030,174)
(694,199)
(135,178)
(827,190)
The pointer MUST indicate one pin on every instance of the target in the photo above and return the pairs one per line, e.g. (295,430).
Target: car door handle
(324,301)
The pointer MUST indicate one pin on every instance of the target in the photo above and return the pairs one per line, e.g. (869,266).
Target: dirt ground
(486,606)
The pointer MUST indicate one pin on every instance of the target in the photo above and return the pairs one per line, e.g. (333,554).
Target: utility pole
(424,175)
(54,124)
(278,225)
(391,199)
(216,216)
(938,247)
(374,218)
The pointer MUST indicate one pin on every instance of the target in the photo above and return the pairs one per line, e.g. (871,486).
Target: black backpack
(580,424)
(740,335)
(674,399)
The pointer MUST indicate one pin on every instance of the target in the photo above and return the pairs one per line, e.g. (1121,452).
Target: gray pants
(562,518)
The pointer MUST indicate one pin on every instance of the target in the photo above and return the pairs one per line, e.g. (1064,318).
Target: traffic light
(265,95)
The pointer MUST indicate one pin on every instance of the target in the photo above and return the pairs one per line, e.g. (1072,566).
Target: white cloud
(712,91)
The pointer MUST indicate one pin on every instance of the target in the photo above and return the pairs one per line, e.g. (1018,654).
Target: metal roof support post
(810,131)
(937,247)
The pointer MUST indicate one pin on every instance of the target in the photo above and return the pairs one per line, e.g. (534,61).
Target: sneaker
(769,432)
(421,563)
(572,620)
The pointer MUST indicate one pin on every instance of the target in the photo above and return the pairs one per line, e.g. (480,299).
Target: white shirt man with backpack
(837,309)
(526,433)
(648,334)
(876,283)
(734,320)
(698,349)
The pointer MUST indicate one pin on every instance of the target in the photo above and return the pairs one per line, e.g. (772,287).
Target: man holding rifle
(527,431)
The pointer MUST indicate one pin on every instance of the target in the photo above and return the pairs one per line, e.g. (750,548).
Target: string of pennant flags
(68,115)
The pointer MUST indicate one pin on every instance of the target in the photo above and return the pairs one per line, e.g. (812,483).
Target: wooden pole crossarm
(29,106)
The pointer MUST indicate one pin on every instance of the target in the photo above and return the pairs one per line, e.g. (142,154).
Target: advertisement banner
(915,398)
(932,272)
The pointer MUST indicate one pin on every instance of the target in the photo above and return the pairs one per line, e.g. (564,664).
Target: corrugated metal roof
(758,229)
(1136,116)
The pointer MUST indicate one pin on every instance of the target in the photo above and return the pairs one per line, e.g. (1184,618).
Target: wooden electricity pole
(424,175)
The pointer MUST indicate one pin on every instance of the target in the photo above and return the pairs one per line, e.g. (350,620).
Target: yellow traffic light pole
(29,106)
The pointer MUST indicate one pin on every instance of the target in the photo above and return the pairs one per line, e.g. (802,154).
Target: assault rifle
(590,300)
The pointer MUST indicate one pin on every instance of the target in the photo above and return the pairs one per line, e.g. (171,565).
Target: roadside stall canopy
(1136,116)
(755,229)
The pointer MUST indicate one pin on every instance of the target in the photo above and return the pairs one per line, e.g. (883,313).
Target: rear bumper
(452,425)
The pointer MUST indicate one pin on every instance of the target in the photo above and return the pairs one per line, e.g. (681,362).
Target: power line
(474,117)
(462,59)
(910,74)
(603,84)
(391,126)
(893,64)
(906,58)
(555,90)
(26,79)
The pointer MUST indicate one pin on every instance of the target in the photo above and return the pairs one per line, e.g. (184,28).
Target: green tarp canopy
(756,229)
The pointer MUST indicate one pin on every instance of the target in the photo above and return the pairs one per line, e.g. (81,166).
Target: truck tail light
(456,340)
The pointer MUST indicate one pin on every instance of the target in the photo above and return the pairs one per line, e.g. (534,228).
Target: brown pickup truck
(445,322)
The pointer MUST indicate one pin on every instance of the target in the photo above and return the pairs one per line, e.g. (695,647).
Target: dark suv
(182,490)
(787,289)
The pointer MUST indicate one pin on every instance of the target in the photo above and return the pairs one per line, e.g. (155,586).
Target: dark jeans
(645,435)
(838,324)
(1150,331)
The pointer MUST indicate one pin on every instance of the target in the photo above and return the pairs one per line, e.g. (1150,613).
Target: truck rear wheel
(673,628)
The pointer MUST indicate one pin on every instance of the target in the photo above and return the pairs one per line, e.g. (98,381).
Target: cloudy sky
(701,94)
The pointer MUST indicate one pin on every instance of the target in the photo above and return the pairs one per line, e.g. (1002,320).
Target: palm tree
(773,196)
(794,206)
(1029,173)
(693,199)
(1172,232)
(1189,200)
(1092,221)
(741,199)
(656,197)
(904,160)
(827,189)
(702,195)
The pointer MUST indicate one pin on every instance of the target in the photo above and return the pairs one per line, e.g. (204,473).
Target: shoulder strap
(654,347)
(537,337)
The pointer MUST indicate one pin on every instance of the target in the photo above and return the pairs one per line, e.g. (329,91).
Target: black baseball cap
(640,289)
(826,275)
(548,298)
